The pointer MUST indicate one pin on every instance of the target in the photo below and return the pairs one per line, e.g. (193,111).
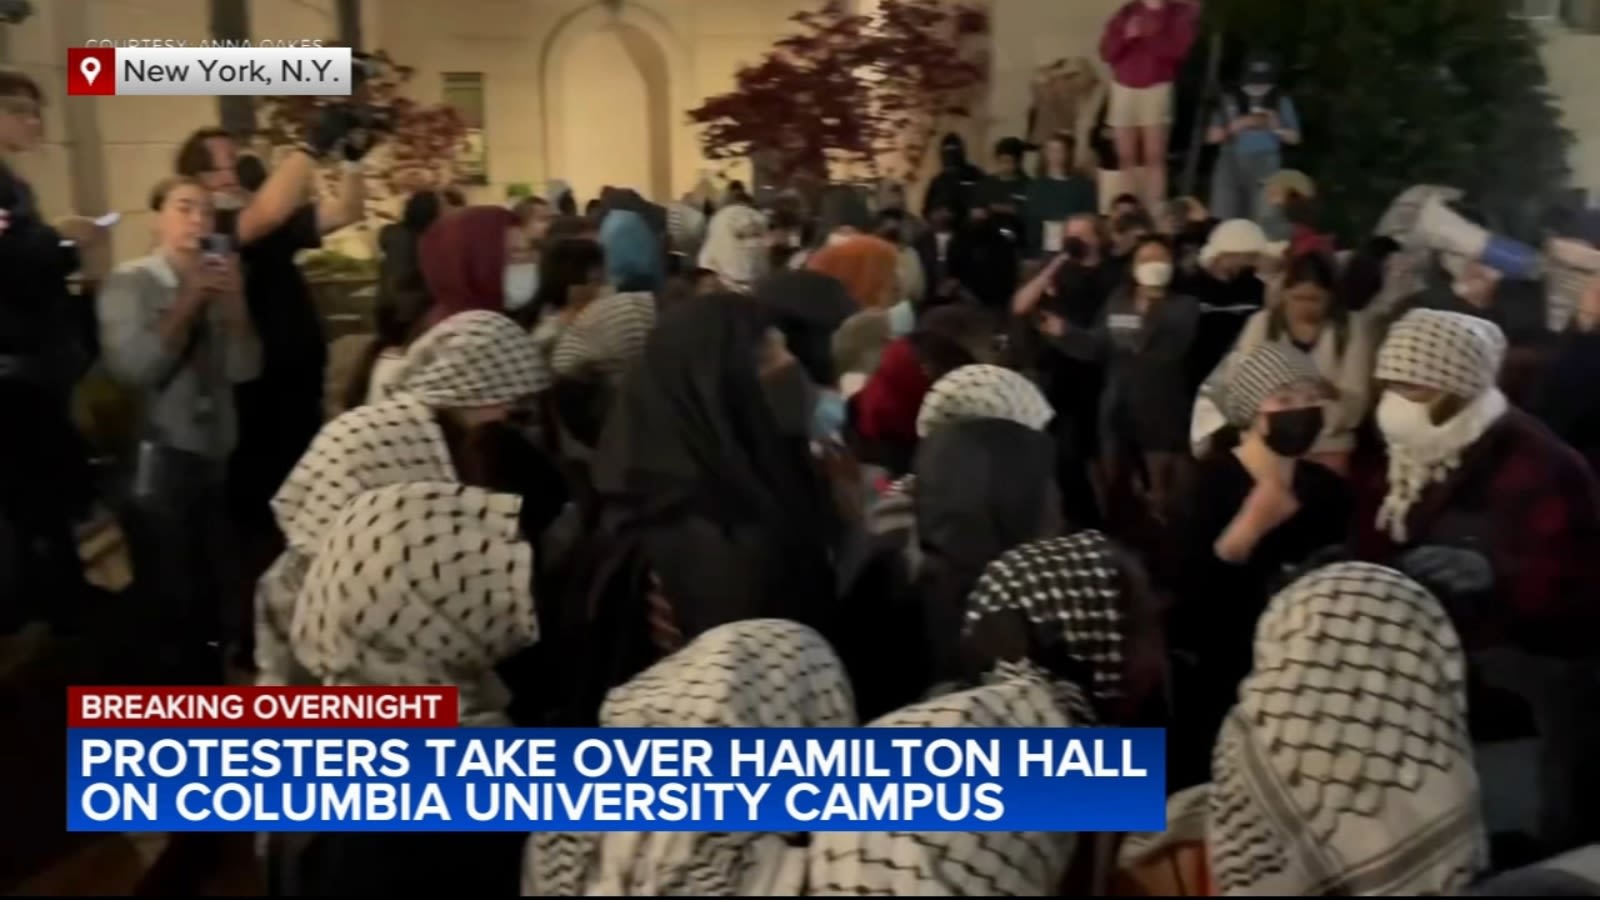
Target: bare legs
(1142,153)
(1153,139)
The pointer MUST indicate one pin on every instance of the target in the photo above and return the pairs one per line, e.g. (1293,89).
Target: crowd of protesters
(1329,514)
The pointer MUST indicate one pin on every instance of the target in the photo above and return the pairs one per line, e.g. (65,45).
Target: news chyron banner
(391,759)
(184,71)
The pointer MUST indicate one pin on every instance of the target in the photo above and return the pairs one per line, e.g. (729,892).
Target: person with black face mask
(956,185)
(1254,510)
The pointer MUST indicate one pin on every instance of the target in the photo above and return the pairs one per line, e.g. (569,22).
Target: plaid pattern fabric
(1538,509)
(1452,352)
(983,392)
(1346,768)
(755,673)
(1259,374)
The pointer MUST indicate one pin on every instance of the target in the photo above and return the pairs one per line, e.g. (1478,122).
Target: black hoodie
(956,184)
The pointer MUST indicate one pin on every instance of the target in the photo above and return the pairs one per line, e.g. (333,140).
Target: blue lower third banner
(616,779)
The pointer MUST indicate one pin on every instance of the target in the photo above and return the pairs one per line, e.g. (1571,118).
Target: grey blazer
(195,412)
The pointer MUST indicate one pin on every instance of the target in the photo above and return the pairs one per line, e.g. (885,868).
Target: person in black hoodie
(956,185)
(709,512)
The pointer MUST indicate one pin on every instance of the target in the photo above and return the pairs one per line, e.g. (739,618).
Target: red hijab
(463,260)
(886,408)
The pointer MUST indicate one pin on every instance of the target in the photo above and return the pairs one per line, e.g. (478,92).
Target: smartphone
(215,247)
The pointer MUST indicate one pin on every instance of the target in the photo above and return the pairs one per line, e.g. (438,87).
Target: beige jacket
(1350,373)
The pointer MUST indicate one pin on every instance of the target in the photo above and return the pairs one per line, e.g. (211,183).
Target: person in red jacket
(1145,44)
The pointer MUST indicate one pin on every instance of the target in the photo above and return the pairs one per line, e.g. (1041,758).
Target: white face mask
(226,200)
(1256,91)
(521,283)
(1153,274)
(1404,422)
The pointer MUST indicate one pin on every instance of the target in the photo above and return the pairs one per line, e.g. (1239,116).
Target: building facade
(591,91)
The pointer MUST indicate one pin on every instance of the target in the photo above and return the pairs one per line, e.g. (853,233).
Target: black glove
(327,129)
(1448,571)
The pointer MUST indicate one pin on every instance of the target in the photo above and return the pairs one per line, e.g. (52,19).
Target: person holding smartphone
(174,328)
(1253,123)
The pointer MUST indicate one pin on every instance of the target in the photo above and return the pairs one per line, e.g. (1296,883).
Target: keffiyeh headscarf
(472,359)
(368,447)
(766,673)
(1259,374)
(736,247)
(420,584)
(983,391)
(1055,606)
(1451,352)
(1346,768)
(962,863)
(604,338)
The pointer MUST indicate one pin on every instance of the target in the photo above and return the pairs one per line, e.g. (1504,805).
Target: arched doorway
(612,90)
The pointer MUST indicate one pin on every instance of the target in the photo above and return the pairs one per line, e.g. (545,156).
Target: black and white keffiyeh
(474,358)
(954,864)
(1055,604)
(471,359)
(982,391)
(393,442)
(1345,769)
(767,673)
(420,584)
(1451,352)
(604,337)
(1448,351)
(1259,374)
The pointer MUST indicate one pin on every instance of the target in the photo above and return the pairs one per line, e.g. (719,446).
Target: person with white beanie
(1471,475)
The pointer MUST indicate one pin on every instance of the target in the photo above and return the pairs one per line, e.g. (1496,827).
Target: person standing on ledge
(1145,44)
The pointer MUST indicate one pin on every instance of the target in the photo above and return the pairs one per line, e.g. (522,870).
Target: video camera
(364,67)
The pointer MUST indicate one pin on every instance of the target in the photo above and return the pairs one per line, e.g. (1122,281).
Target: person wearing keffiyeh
(458,382)
(759,673)
(977,391)
(1052,629)
(1345,769)
(1467,471)
(421,583)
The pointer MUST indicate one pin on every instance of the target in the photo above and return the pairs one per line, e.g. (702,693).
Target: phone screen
(216,245)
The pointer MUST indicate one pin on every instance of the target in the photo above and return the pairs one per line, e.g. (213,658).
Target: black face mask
(789,396)
(1292,432)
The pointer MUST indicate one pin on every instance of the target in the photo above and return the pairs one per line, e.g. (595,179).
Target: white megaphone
(1441,228)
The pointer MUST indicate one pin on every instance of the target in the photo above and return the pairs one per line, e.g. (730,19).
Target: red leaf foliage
(419,153)
(852,89)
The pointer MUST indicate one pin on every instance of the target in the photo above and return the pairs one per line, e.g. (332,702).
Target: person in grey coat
(1143,338)
(174,331)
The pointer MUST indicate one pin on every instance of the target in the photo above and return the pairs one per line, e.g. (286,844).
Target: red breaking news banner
(258,707)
